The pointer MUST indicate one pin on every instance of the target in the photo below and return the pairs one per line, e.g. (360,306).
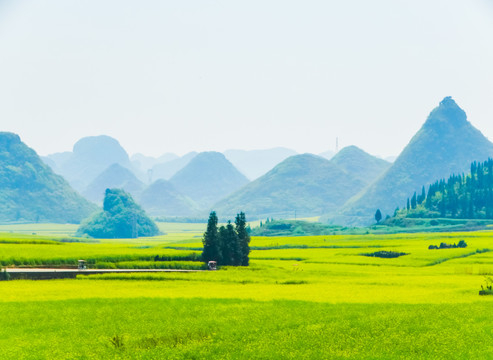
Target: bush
(461,244)
(385,254)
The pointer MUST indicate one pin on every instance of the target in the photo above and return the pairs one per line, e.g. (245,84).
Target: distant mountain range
(162,199)
(167,169)
(305,185)
(90,156)
(31,192)
(254,163)
(207,178)
(144,163)
(115,176)
(447,143)
(347,187)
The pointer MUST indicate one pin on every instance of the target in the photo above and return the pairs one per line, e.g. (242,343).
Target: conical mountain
(447,143)
(31,191)
(306,184)
(360,164)
(169,168)
(91,156)
(162,199)
(115,176)
(255,163)
(207,178)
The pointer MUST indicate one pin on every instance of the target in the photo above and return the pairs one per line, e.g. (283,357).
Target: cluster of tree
(121,218)
(461,244)
(461,196)
(228,245)
(385,254)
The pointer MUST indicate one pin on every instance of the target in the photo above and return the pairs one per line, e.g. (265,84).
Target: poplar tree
(231,249)
(378,216)
(244,238)
(211,241)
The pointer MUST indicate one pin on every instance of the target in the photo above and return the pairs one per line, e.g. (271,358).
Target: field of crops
(302,297)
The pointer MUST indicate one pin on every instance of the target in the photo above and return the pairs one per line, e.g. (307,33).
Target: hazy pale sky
(175,76)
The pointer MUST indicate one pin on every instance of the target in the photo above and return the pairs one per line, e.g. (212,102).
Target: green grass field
(302,297)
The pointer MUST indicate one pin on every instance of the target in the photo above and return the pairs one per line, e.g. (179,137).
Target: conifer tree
(378,215)
(243,237)
(413,201)
(230,245)
(422,197)
(211,241)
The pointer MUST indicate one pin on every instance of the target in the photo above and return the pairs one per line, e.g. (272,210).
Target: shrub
(385,254)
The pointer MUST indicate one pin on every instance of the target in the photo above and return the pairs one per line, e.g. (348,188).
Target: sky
(175,76)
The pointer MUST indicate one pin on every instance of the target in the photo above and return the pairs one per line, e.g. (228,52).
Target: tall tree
(230,245)
(378,215)
(211,241)
(413,201)
(243,237)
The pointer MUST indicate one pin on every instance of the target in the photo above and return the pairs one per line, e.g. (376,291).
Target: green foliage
(306,184)
(243,238)
(461,244)
(378,216)
(294,228)
(31,192)
(487,289)
(460,196)
(446,143)
(163,328)
(121,218)
(385,254)
(211,241)
(228,245)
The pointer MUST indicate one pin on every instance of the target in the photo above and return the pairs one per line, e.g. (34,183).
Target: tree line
(460,196)
(228,245)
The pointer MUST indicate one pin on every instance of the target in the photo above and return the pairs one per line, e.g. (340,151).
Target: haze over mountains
(306,185)
(162,199)
(348,188)
(115,176)
(31,191)
(90,156)
(208,178)
(254,163)
(447,143)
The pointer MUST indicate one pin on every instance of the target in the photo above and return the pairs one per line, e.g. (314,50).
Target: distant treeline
(461,196)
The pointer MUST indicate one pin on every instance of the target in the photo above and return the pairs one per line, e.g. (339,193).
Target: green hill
(308,184)
(207,178)
(360,164)
(162,199)
(31,191)
(115,176)
(447,143)
(121,218)
(460,196)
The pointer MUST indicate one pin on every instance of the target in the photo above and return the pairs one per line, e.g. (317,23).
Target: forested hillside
(460,196)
